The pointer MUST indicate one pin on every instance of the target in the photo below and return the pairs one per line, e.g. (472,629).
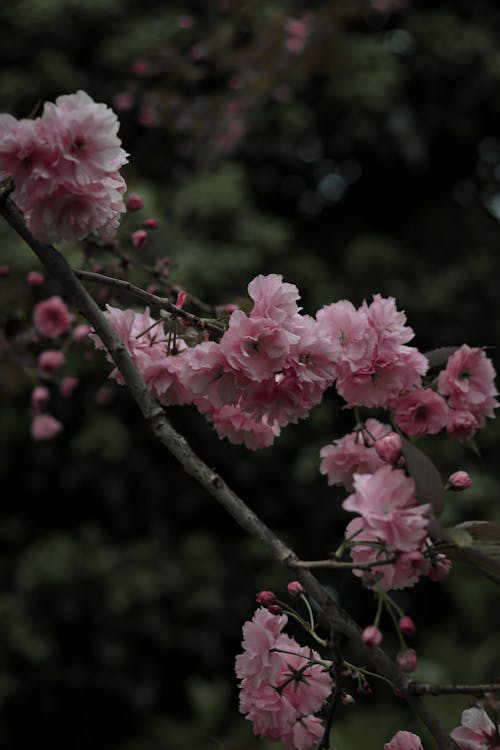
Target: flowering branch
(339,620)
(151,299)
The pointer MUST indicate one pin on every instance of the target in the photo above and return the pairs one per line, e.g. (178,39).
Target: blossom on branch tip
(295,588)
(371,636)
(459,480)
(404,741)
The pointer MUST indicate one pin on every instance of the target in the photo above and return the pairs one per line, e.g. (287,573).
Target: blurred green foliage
(367,162)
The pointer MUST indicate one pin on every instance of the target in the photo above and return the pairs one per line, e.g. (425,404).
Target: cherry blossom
(477,731)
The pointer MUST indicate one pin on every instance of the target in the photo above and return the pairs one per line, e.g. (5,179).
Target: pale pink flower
(205,372)
(273,298)
(240,429)
(45,427)
(349,333)
(353,453)
(50,360)
(421,412)
(255,347)
(388,448)
(18,145)
(404,741)
(51,317)
(477,731)
(265,598)
(260,635)
(468,381)
(387,503)
(311,357)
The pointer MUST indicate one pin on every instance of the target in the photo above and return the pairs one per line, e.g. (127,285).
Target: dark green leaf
(425,475)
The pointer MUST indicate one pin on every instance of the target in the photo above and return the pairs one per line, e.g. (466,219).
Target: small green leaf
(425,475)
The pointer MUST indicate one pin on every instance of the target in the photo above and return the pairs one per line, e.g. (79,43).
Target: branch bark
(339,620)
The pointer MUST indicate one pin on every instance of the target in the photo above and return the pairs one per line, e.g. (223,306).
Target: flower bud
(35,278)
(265,598)
(347,699)
(45,427)
(39,396)
(68,385)
(407,626)
(150,223)
(389,447)
(139,238)
(274,609)
(459,481)
(295,588)
(134,202)
(407,660)
(440,567)
(50,360)
(372,637)
(181,298)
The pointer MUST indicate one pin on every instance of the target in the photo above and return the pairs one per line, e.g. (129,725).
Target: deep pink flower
(45,427)
(134,202)
(469,382)
(404,741)
(150,223)
(51,317)
(354,453)
(350,334)
(387,503)
(421,412)
(477,731)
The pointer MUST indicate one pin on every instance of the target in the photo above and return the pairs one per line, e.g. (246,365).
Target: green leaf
(425,475)
(438,357)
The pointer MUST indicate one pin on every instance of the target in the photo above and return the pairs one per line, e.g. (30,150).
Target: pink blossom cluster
(282,686)
(390,523)
(65,166)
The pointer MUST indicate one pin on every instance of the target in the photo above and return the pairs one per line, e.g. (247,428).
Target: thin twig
(337,565)
(419,688)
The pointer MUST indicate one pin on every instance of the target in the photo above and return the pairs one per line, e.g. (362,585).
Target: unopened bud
(407,626)
(389,447)
(440,567)
(35,278)
(139,238)
(274,609)
(295,588)
(181,298)
(372,637)
(150,223)
(134,202)
(347,699)
(459,481)
(407,660)
(265,598)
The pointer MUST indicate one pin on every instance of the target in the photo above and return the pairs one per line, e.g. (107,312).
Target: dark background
(368,161)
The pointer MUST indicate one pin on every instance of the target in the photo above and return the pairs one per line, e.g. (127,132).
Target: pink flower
(255,347)
(461,424)
(52,317)
(68,385)
(477,731)
(45,427)
(260,636)
(404,741)
(81,332)
(407,660)
(349,333)
(354,453)
(305,734)
(388,448)
(459,480)
(387,503)
(50,360)
(469,383)
(371,636)
(34,278)
(39,396)
(273,298)
(139,238)
(407,626)
(421,412)
(134,202)
(233,423)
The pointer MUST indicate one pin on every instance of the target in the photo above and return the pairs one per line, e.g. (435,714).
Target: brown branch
(338,690)
(340,621)
(420,688)
(150,299)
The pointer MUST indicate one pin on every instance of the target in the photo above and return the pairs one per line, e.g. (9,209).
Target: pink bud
(407,660)
(184,22)
(81,332)
(134,202)
(275,610)
(139,67)
(181,298)
(50,360)
(45,427)
(440,568)
(459,481)
(123,101)
(104,395)
(39,396)
(265,598)
(139,238)
(295,588)
(407,626)
(68,385)
(151,223)
(372,637)
(347,699)
(230,308)
(4,271)
(389,447)
(35,278)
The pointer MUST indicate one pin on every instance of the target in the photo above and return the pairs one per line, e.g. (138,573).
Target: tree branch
(420,688)
(339,620)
